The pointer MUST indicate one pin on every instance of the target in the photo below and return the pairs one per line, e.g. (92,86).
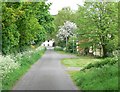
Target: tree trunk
(100,51)
(104,51)
(66,44)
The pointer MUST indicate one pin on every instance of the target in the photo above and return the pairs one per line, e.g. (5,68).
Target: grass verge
(79,62)
(101,76)
(26,61)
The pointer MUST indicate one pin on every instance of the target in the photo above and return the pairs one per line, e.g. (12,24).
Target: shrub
(58,48)
(101,63)
(7,64)
(102,78)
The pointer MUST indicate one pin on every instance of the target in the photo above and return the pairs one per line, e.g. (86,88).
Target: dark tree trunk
(86,51)
(104,51)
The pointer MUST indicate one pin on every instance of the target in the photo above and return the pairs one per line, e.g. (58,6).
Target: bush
(102,78)
(70,45)
(101,63)
(58,48)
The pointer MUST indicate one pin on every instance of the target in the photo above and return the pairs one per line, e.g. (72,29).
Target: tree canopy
(97,24)
(24,23)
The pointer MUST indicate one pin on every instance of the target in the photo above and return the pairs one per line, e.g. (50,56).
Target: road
(47,74)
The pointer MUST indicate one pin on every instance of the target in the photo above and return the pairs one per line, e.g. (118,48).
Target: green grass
(105,78)
(79,62)
(12,77)
(102,77)
(96,74)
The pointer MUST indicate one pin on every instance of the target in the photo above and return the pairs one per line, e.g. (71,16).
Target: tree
(10,34)
(24,23)
(65,14)
(98,24)
(66,31)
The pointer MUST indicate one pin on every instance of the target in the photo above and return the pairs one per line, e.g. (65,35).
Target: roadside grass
(82,61)
(105,78)
(97,76)
(26,61)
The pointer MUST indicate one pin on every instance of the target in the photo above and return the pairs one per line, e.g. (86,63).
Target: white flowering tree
(66,31)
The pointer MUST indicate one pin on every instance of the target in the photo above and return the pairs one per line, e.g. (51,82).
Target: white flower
(66,30)
(10,62)
(7,64)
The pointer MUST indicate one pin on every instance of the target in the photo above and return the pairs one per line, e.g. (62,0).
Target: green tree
(24,23)
(98,24)
(10,34)
(66,14)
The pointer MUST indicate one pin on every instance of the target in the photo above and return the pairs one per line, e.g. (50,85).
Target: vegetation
(66,14)
(97,31)
(14,67)
(81,62)
(23,24)
(109,61)
(96,74)
(58,48)
(96,27)
(100,28)
(93,26)
(66,31)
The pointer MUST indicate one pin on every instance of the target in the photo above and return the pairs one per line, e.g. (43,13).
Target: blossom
(66,30)
(10,62)
(7,64)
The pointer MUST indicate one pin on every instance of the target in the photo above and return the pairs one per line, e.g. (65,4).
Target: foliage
(66,14)
(72,45)
(66,30)
(102,78)
(97,23)
(58,48)
(61,43)
(10,35)
(25,23)
(96,74)
(109,61)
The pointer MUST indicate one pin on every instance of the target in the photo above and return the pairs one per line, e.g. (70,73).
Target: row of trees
(23,24)
(97,24)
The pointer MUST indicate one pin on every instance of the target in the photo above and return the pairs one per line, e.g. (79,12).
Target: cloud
(59,4)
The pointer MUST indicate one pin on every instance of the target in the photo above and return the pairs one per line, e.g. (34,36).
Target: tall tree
(66,31)
(98,23)
(66,14)
(24,23)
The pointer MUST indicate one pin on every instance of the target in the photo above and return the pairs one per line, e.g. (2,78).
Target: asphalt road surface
(47,74)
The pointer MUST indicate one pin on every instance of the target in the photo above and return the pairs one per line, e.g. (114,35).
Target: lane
(47,74)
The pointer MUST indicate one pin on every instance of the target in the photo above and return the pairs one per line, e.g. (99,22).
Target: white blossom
(66,30)
(10,62)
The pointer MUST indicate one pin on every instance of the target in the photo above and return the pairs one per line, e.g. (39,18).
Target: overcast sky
(59,4)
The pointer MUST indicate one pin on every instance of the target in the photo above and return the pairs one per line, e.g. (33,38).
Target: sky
(59,4)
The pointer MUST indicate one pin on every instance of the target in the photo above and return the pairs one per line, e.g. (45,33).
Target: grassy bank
(96,74)
(25,61)
(79,62)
